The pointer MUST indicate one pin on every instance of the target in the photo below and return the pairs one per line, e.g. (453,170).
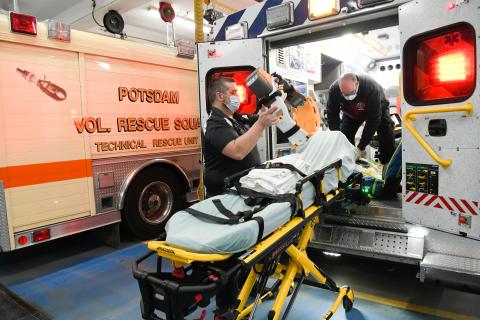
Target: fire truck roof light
(320,9)
(23,23)
(41,235)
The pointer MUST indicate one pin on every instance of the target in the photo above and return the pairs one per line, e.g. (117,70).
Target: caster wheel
(347,304)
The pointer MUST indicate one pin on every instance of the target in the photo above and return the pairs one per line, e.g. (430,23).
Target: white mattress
(202,236)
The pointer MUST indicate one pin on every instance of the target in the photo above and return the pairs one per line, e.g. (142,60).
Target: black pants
(386,140)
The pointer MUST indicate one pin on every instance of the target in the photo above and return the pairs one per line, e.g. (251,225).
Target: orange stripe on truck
(26,175)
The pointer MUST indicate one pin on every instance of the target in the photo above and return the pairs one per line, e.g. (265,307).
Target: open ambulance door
(234,59)
(440,116)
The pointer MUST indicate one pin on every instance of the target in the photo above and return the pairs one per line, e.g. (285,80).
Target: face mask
(234,103)
(350,97)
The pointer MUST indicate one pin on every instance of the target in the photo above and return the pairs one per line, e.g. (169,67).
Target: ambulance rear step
(459,272)
(403,246)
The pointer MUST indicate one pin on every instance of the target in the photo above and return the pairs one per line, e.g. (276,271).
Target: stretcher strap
(231,219)
(245,215)
(261,226)
(264,199)
(279,165)
(201,215)
(239,217)
(220,207)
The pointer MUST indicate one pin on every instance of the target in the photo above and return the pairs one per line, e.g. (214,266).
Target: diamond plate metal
(366,223)
(391,203)
(461,272)
(4,234)
(371,241)
(451,263)
(124,166)
(350,239)
(451,244)
(390,243)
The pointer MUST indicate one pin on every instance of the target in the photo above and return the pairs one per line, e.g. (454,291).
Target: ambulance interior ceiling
(375,52)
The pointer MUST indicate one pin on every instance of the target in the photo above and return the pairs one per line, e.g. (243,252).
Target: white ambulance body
(92,131)
(435,224)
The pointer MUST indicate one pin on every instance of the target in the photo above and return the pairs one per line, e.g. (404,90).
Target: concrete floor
(79,278)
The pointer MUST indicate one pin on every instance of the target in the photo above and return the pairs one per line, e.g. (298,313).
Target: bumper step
(457,271)
(363,222)
(375,243)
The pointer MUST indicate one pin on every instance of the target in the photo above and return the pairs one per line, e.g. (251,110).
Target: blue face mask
(234,103)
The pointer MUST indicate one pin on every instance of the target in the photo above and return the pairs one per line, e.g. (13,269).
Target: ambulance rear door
(234,59)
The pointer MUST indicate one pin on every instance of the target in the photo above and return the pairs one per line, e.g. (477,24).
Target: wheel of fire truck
(151,199)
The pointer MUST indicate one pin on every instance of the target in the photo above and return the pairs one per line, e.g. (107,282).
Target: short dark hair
(218,85)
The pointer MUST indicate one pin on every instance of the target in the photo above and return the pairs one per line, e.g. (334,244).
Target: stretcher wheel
(347,303)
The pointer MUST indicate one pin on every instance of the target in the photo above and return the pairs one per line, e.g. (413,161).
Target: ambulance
(425,53)
(93,131)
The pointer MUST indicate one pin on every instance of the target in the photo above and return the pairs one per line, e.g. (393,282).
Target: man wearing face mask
(230,137)
(361,99)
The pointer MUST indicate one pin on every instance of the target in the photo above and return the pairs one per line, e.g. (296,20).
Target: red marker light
(22,240)
(41,235)
(451,5)
(23,23)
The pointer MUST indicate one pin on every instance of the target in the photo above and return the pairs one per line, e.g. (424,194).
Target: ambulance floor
(80,279)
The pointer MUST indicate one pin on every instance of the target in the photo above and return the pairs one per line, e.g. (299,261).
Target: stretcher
(198,277)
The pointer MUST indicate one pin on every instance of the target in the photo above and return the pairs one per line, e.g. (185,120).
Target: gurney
(198,276)
(258,229)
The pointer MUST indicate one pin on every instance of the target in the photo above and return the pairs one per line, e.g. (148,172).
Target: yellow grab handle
(410,115)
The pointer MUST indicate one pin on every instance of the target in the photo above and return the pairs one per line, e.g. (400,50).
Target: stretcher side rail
(317,179)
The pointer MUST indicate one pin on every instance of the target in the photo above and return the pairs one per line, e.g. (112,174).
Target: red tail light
(23,23)
(41,235)
(440,67)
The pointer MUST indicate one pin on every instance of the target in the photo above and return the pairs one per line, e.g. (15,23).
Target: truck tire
(152,198)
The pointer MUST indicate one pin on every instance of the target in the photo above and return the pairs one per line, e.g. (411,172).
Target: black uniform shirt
(369,105)
(221,130)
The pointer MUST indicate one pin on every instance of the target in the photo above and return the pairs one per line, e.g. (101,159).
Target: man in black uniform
(230,137)
(230,147)
(361,99)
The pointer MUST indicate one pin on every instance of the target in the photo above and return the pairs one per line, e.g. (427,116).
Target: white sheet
(202,236)
(323,147)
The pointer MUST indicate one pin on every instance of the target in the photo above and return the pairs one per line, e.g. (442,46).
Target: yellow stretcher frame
(298,262)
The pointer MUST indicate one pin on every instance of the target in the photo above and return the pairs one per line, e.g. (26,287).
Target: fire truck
(425,53)
(93,131)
